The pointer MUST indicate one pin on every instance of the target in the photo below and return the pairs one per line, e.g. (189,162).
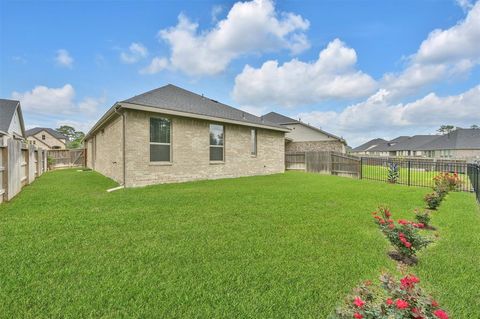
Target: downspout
(122,114)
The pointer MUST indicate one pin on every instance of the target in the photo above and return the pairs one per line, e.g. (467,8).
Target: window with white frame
(160,133)
(217,143)
(253,142)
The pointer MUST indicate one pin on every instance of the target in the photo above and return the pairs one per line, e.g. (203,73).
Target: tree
(474,126)
(74,137)
(445,129)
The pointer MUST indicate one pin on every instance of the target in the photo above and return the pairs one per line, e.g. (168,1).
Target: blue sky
(383,70)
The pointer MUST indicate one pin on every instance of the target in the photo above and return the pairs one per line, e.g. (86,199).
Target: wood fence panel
(325,162)
(20,164)
(67,158)
(31,170)
(14,168)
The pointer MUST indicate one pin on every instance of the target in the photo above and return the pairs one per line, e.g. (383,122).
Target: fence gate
(67,158)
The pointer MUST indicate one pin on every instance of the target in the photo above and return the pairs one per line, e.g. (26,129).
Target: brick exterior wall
(335,146)
(104,150)
(190,151)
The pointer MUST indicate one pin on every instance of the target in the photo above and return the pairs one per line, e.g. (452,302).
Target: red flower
(403,222)
(407,244)
(357,315)
(358,302)
(434,303)
(391,226)
(402,304)
(388,214)
(389,302)
(440,314)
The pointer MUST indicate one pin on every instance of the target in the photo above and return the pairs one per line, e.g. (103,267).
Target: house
(11,119)
(170,134)
(366,148)
(303,137)
(458,144)
(46,138)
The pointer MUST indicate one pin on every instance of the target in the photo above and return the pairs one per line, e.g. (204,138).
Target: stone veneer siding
(335,146)
(190,142)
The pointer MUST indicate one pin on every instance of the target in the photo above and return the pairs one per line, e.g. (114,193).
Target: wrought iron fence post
(408,165)
(361,168)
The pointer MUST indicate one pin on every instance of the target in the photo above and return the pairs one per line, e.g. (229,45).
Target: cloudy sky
(359,69)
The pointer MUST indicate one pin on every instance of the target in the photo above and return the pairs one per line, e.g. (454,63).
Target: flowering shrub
(433,200)
(403,235)
(422,218)
(393,299)
(446,182)
(393,173)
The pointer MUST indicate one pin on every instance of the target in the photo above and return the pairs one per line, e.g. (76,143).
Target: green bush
(433,200)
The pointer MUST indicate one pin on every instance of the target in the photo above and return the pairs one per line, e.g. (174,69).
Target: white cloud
(63,58)
(216,11)
(56,101)
(83,126)
(331,76)
(445,53)
(250,27)
(136,52)
(376,117)
(158,64)
(464,4)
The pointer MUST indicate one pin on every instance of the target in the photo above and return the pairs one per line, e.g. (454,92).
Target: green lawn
(287,245)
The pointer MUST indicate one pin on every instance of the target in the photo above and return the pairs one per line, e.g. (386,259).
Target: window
(253,142)
(216,142)
(160,147)
(43,137)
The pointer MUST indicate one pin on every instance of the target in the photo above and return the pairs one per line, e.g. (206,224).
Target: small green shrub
(423,217)
(393,173)
(433,200)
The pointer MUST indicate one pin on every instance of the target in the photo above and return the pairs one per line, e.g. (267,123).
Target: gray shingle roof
(171,97)
(7,110)
(405,143)
(52,132)
(370,144)
(279,118)
(460,139)
(284,120)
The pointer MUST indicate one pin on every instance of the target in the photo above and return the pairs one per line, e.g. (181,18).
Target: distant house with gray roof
(46,138)
(11,119)
(173,135)
(458,144)
(304,137)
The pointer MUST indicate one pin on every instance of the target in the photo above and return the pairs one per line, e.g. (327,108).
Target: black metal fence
(420,172)
(473,173)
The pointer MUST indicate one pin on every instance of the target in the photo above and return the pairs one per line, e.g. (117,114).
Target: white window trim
(218,146)
(157,143)
(255,142)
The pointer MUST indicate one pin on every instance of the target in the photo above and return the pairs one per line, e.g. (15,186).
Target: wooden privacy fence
(20,164)
(324,162)
(66,158)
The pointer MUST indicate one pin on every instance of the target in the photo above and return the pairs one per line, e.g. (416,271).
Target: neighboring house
(458,144)
(172,135)
(303,137)
(11,119)
(366,148)
(46,138)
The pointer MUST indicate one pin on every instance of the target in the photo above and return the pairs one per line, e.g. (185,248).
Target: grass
(287,245)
